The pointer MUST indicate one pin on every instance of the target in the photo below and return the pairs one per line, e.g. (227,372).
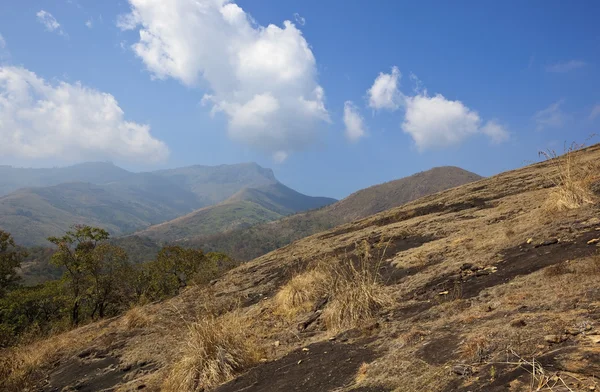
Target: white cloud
(595,111)
(2,42)
(433,122)
(263,79)
(385,93)
(550,117)
(299,19)
(495,131)
(566,66)
(68,122)
(436,122)
(89,23)
(355,128)
(49,22)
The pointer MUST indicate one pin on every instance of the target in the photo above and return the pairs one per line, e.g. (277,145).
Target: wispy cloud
(550,117)
(566,66)
(299,19)
(89,24)
(2,42)
(355,127)
(50,22)
(595,111)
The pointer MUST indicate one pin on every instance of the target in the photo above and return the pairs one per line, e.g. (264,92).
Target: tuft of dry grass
(301,292)
(356,295)
(215,350)
(572,179)
(352,286)
(137,318)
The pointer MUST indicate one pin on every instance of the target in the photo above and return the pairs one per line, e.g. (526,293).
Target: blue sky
(346,95)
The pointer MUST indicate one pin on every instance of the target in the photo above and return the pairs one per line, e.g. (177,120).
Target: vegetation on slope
(248,207)
(248,243)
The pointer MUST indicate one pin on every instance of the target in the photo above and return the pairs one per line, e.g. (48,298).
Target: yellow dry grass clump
(215,350)
(137,318)
(301,292)
(353,289)
(572,179)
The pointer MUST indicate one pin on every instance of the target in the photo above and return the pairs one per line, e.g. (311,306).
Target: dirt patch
(522,260)
(439,351)
(323,367)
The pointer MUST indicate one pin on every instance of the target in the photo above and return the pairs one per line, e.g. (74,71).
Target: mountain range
(38,203)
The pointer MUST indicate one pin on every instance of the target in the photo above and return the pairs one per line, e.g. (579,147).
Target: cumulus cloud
(566,66)
(385,93)
(355,128)
(437,122)
(550,117)
(433,122)
(263,79)
(49,22)
(70,122)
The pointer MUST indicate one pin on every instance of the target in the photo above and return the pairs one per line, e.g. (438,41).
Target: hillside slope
(248,243)
(489,288)
(122,202)
(34,214)
(248,207)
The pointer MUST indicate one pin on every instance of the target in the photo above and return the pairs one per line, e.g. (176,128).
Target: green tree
(11,258)
(111,276)
(75,252)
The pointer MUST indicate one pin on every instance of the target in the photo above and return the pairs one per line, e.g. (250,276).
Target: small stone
(572,331)
(593,241)
(529,240)
(299,362)
(466,266)
(462,370)
(548,242)
(518,323)
(554,339)
(277,343)
(305,349)
(444,293)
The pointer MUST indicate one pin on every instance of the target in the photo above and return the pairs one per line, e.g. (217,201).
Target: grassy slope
(252,242)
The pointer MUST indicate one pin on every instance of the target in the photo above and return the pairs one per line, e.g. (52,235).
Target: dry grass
(572,179)
(215,350)
(137,317)
(301,292)
(356,295)
(353,289)
(22,367)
